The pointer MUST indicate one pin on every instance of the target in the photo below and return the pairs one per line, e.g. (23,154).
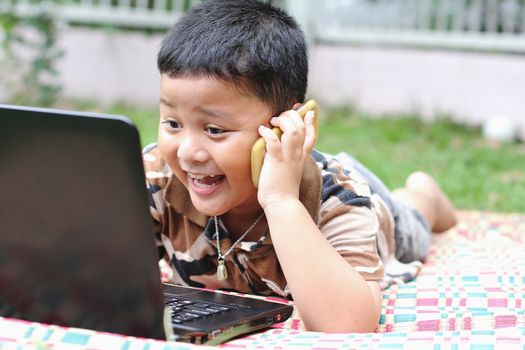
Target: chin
(209,210)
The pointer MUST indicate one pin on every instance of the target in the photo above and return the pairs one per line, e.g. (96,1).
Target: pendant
(222,273)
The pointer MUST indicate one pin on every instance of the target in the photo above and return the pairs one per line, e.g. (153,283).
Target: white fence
(374,79)
(148,14)
(437,15)
(492,25)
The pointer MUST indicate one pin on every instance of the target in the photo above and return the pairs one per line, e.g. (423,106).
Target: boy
(230,70)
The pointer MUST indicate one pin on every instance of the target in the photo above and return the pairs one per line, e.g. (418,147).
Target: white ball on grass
(499,128)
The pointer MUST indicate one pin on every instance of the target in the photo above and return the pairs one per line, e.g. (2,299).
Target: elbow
(348,324)
(344,328)
(353,310)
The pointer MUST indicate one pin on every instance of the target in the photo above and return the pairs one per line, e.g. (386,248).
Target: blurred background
(403,85)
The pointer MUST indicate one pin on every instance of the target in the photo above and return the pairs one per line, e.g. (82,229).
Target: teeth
(199,176)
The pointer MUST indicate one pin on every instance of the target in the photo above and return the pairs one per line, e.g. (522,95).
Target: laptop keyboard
(186,310)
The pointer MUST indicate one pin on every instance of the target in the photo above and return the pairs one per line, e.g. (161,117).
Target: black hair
(255,46)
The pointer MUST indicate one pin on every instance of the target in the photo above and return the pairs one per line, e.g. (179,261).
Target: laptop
(76,247)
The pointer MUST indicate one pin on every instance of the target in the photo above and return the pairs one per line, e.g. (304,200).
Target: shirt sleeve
(348,218)
(157,175)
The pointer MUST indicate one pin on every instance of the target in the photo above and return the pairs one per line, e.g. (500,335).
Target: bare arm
(330,294)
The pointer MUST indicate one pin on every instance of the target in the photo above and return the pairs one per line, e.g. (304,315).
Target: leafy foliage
(29,55)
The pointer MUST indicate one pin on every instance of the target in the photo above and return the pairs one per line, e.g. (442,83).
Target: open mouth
(206,181)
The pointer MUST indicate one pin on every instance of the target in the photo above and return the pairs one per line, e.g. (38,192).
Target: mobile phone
(259,147)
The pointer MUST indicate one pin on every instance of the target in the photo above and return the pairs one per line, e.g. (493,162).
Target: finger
(285,123)
(292,139)
(291,115)
(310,138)
(298,121)
(291,122)
(272,141)
(301,128)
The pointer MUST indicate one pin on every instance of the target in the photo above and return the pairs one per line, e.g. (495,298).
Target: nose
(191,150)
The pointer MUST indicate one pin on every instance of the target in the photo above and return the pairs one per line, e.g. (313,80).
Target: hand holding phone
(259,147)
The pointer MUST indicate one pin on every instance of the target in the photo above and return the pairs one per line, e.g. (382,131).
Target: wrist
(281,206)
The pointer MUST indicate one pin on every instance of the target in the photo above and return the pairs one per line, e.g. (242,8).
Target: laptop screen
(74,222)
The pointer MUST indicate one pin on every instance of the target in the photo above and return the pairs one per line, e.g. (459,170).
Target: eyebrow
(214,114)
(166,102)
(208,112)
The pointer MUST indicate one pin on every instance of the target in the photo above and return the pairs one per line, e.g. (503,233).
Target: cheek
(238,162)
(167,148)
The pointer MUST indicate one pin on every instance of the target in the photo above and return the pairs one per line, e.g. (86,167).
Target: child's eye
(172,124)
(214,131)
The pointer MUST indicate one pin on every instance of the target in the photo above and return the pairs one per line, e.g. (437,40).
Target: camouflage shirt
(338,200)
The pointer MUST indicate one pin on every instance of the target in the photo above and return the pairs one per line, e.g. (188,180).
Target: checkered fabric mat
(469,295)
(472,280)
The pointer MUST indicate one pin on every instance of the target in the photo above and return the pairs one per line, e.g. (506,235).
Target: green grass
(475,173)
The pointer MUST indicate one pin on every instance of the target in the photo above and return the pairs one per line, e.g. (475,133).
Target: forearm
(330,295)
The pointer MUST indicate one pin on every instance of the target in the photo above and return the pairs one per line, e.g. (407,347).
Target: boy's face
(206,132)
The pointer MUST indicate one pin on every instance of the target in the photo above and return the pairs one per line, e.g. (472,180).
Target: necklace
(222,272)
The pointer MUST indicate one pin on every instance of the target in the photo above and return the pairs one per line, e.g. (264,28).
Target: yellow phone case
(259,147)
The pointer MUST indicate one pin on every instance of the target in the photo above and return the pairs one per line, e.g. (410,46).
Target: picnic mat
(469,295)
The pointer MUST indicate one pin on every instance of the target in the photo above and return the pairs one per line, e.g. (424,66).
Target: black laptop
(76,247)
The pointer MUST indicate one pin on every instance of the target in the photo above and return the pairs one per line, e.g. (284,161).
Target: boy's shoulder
(156,169)
(338,174)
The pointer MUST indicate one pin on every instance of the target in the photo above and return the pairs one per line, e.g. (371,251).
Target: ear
(296,105)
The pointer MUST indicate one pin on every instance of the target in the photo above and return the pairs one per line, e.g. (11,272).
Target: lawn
(477,174)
